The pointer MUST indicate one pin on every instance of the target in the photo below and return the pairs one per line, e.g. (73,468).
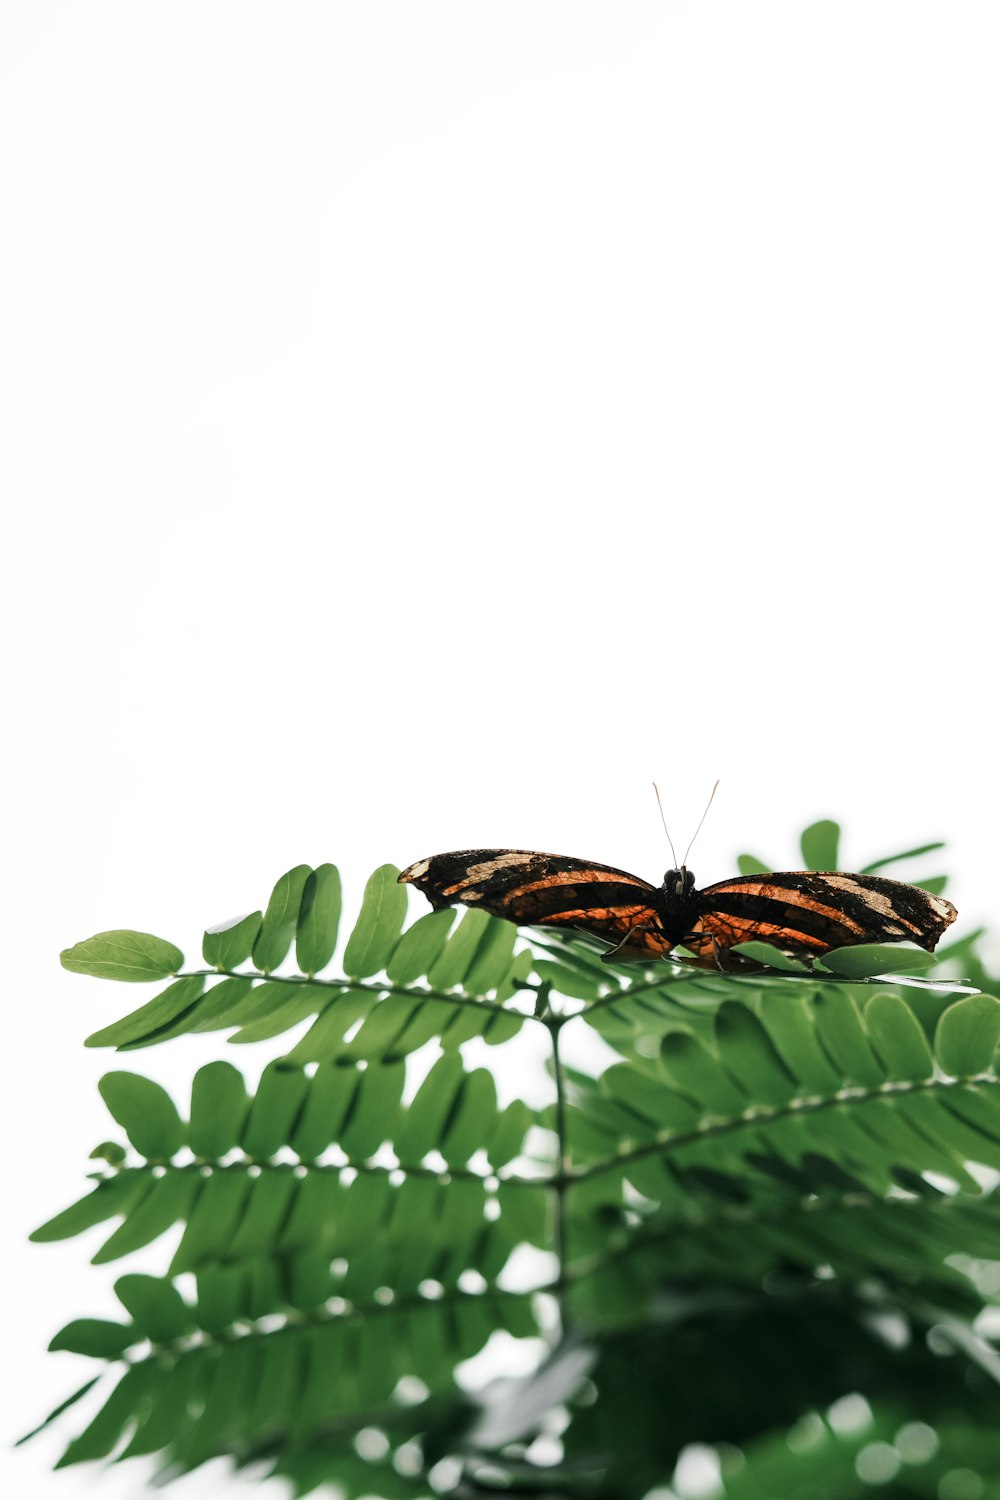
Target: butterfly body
(804,912)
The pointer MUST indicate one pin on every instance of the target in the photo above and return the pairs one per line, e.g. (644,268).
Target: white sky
(427,423)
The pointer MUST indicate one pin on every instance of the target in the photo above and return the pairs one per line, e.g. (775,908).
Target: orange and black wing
(547,890)
(810,912)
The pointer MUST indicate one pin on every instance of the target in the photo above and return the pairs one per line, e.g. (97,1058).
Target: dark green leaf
(821,845)
(133,956)
(898,1039)
(696,1073)
(213,1220)
(967,1036)
(278,927)
(218,1110)
(112,1196)
(156,1307)
(377,929)
(319,919)
(95,1336)
(146,1113)
(57,1411)
(102,1434)
(168,1201)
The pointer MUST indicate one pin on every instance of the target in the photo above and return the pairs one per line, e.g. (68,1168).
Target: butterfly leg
(625,949)
(715,961)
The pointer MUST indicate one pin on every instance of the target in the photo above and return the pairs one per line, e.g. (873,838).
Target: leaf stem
(561,1180)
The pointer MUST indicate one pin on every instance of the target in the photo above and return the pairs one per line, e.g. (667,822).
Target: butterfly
(803,912)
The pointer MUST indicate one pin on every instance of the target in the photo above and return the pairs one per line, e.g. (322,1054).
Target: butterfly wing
(811,912)
(547,890)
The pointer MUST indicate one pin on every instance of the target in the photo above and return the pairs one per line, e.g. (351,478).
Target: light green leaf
(821,845)
(424,1123)
(377,929)
(232,942)
(460,950)
(473,1118)
(330,1095)
(278,927)
(967,1036)
(774,958)
(374,1111)
(136,957)
(862,960)
(146,1113)
(492,958)
(419,946)
(319,919)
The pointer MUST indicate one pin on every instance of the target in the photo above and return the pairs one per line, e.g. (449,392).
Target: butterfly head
(678,883)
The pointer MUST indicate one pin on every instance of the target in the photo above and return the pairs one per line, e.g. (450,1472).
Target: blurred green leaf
(967,1036)
(377,929)
(146,1113)
(821,845)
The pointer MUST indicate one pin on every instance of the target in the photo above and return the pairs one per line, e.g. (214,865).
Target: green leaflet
(146,1112)
(821,845)
(377,928)
(94,1336)
(231,943)
(158,1311)
(319,919)
(218,1109)
(280,919)
(177,1000)
(136,957)
(967,1036)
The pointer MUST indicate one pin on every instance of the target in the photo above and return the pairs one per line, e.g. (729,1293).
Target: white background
(426,423)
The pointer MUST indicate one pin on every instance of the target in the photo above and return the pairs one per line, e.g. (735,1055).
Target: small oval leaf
(231,943)
(136,957)
(967,1036)
(146,1113)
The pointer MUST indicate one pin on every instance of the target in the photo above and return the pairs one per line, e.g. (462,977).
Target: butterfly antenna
(704,815)
(673,852)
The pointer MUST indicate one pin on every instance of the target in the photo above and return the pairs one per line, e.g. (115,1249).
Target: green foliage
(781,1192)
